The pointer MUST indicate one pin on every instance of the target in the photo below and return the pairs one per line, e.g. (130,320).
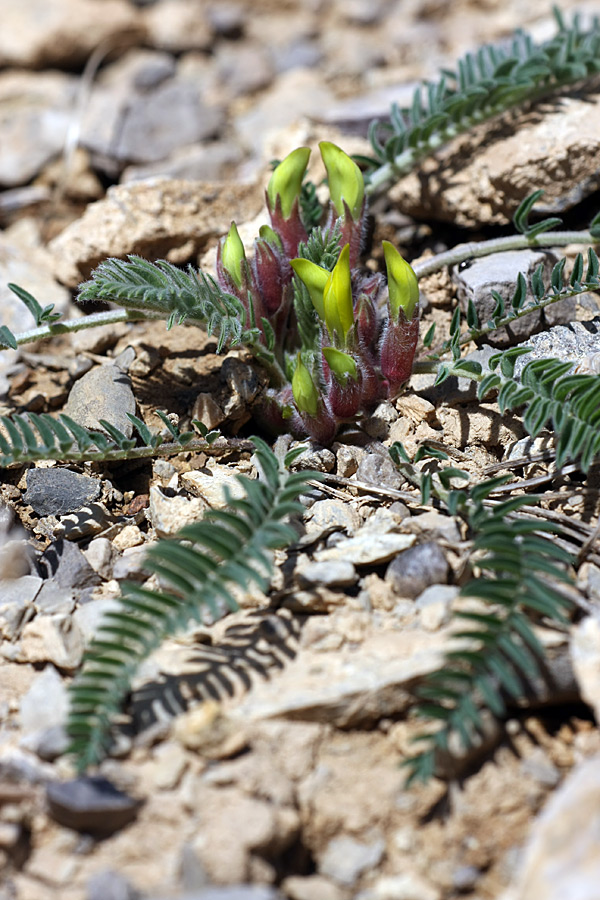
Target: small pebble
(416,569)
(337,573)
(91,804)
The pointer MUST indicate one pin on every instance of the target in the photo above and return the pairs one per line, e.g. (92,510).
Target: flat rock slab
(482,177)
(367,549)
(152,219)
(35,111)
(102,393)
(351,686)
(54,492)
(562,860)
(35,33)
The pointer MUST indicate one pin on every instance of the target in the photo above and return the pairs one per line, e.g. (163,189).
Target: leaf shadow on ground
(250,651)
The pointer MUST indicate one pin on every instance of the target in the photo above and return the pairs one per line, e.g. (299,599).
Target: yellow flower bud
(315,279)
(337,297)
(341,364)
(403,286)
(233,255)
(346,181)
(270,236)
(286,180)
(305,393)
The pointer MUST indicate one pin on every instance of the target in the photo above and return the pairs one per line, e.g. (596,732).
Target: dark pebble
(416,569)
(55,492)
(91,804)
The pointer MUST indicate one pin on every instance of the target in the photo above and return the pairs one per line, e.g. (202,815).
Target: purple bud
(397,351)
(291,230)
(366,318)
(270,275)
(321,428)
(345,400)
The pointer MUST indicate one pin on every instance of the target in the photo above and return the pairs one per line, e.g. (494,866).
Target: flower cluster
(336,339)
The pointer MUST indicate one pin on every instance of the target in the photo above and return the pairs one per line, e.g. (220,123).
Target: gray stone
(435,605)
(540,768)
(141,111)
(293,95)
(326,516)
(131,565)
(89,616)
(47,743)
(46,703)
(214,161)
(102,393)
(178,111)
(319,458)
(91,804)
(101,556)
(244,69)
(499,272)
(227,19)
(575,342)
(86,522)
(17,766)
(16,603)
(36,33)
(416,569)
(35,111)
(299,53)
(377,424)
(348,459)
(345,859)
(585,655)
(561,859)
(55,491)
(355,114)
(434,525)
(51,638)
(169,514)
(340,573)
(367,549)
(28,265)
(111,885)
(465,878)
(378,468)
(66,567)
(232,892)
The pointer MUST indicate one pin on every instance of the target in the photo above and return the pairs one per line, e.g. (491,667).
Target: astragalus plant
(332,338)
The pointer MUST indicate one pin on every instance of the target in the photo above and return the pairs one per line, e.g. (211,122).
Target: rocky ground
(260,756)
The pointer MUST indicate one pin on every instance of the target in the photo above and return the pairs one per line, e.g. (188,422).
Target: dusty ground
(265,748)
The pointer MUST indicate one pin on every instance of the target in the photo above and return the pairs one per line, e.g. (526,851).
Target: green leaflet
(483,85)
(496,651)
(30,437)
(198,567)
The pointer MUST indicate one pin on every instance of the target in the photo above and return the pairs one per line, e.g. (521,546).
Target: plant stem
(477,249)
(92,321)
(473,334)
